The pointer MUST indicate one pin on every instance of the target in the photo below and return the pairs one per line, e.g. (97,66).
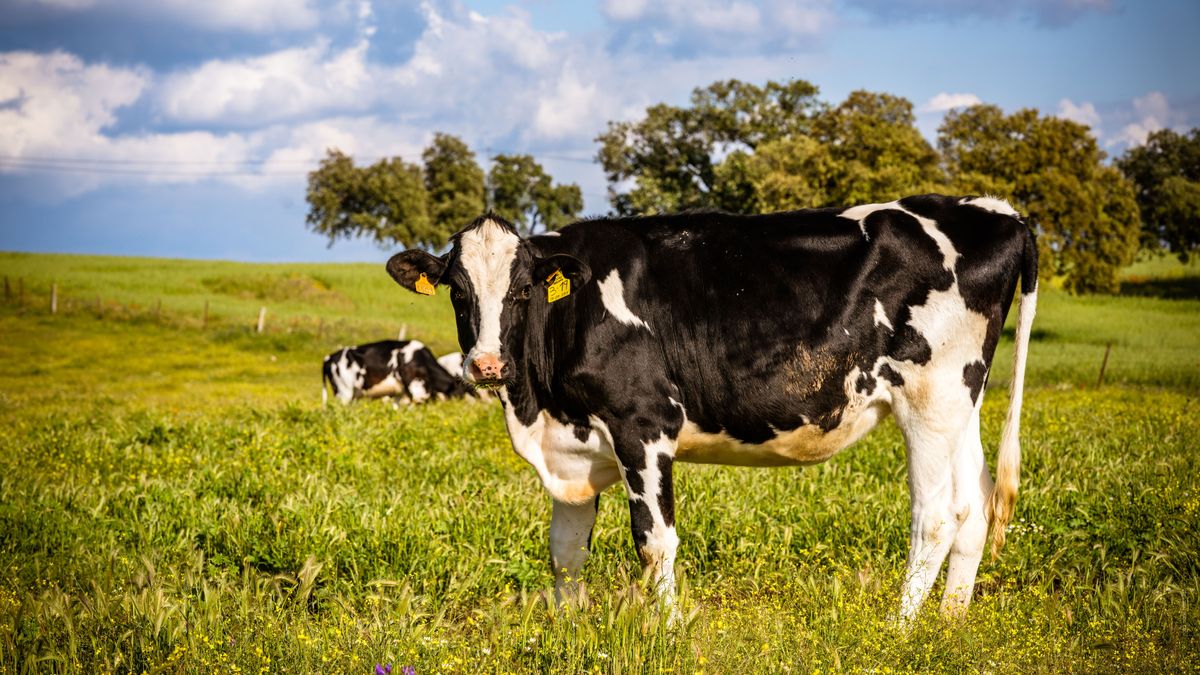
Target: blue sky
(184,129)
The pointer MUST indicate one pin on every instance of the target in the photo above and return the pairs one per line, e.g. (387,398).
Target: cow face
(492,275)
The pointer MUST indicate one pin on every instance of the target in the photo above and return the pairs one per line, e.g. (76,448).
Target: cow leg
(972,487)
(646,467)
(932,441)
(570,542)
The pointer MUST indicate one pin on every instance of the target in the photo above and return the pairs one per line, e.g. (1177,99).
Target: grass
(174,499)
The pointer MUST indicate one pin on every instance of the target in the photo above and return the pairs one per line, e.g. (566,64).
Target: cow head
(493,275)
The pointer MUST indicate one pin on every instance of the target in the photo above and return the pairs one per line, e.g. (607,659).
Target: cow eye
(458,295)
(523,293)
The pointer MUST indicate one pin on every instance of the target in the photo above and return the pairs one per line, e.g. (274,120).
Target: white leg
(647,468)
(931,446)
(972,488)
(570,541)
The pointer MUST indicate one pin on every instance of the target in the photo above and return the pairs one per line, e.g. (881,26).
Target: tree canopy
(1052,170)
(1166,173)
(395,202)
(525,195)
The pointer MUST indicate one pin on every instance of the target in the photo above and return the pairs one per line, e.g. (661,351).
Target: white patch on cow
(661,540)
(612,294)
(846,331)
(487,254)
(881,318)
(453,363)
(572,471)
(388,386)
(860,213)
(348,377)
(394,360)
(994,204)
(409,350)
(554,233)
(417,390)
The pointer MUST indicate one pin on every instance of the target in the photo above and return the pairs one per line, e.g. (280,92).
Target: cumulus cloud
(280,85)
(241,15)
(947,101)
(1083,113)
(1151,113)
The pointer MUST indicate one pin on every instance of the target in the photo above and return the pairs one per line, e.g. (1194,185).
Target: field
(173,498)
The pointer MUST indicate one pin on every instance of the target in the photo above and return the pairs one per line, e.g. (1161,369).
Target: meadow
(174,498)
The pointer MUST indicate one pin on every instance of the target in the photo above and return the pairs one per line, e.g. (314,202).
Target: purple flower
(408,670)
(383,669)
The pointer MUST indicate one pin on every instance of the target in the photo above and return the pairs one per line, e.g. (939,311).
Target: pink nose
(486,367)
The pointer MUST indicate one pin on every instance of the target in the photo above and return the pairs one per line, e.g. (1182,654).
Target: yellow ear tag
(423,286)
(559,288)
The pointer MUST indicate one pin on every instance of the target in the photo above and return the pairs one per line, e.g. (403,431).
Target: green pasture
(173,498)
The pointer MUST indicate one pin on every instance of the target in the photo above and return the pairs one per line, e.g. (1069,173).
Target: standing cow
(403,370)
(621,346)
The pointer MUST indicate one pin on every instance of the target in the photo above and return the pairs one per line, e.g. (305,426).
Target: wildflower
(408,670)
(383,669)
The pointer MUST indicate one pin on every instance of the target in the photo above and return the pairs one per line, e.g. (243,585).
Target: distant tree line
(396,202)
(750,149)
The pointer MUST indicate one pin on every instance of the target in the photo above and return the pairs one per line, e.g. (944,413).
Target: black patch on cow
(666,490)
(909,345)
(641,522)
(888,373)
(592,529)
(582,433)
(865,384)
(974,374)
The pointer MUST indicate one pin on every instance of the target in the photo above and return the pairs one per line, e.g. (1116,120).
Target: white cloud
(707,25)
(1084,113)
(243,15)
(569,109)
(1151,112)
(281,85)
(946,101)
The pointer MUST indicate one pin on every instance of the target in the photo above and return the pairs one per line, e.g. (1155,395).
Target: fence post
(204,321)
(54,298)
(7,289)
(262,317)
(21,292)
(320,327)
(403,331)
(1104,365)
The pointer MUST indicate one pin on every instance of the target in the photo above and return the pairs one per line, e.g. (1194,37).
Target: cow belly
(808,444)
(388,386)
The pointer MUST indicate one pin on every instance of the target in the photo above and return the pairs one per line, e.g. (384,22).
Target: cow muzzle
(486,370)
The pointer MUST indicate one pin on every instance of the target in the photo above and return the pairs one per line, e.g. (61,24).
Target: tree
(524,194)
(671,154)
(1166,173)
(454,183)
(1054,172)
(385,201)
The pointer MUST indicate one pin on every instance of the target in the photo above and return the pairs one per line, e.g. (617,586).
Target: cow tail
(1008,460)
(326,380)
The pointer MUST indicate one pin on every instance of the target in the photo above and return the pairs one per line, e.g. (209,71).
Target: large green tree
(454,183)
(524,194)
(385,201)
(1166,172)
(671,155)
(1053,171)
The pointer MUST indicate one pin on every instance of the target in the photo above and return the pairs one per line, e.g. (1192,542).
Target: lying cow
(402,370)
(621,346)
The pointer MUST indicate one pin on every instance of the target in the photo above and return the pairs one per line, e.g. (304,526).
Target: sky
(178,128)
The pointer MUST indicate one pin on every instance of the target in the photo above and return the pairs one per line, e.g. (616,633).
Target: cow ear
(416,270)
(571,267)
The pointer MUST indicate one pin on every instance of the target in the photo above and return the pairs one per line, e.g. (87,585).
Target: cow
(402,370)
(623,345)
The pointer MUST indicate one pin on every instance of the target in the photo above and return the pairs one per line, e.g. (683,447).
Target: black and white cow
(403,370)
(766,340)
